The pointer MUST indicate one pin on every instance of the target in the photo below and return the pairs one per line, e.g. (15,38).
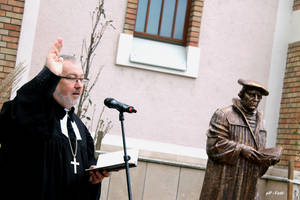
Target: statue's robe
(229,175)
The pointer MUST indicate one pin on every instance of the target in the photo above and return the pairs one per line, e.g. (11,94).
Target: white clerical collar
(64,129)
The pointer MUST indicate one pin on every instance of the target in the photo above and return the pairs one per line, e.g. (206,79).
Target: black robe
(35,155)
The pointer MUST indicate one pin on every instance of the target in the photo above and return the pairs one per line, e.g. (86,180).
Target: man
(45,147)
(236,148)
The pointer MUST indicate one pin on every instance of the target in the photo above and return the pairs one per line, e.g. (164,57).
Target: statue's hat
(254,84)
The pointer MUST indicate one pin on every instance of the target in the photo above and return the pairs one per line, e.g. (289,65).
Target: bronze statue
(236,140)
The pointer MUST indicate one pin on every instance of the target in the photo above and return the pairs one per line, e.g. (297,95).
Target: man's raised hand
(53,62)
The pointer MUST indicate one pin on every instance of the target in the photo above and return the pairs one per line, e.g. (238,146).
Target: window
(165,20)
(162,36)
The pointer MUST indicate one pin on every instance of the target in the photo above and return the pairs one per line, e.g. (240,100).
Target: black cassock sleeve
(30,104)
(25,117)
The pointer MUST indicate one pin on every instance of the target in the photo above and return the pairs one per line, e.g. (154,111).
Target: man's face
(68,91)
(251,99)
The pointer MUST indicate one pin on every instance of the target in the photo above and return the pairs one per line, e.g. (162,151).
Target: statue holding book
(236,140)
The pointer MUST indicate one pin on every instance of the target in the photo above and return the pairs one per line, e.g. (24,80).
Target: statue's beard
(249,106)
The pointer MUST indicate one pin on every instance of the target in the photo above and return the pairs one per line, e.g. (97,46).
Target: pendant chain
(76,145)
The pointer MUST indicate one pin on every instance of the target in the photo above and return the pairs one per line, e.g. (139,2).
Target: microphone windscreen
(108,101)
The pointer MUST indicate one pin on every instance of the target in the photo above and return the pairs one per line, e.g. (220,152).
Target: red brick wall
(289,122)
(130,18)
(11,13)
(296,5)
(194,21)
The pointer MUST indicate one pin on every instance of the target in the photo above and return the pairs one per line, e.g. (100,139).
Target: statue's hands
(53,62)
(249,153)
(275,160)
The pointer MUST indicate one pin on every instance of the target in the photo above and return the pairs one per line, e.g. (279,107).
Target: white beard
(65,100)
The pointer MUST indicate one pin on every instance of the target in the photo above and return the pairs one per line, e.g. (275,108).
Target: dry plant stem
(95,37)
(99,26)
(13,77)
(101,130)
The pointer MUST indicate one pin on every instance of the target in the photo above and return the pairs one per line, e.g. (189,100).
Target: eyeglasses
(76,80)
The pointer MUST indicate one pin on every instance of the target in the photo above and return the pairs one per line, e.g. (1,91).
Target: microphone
(112,103)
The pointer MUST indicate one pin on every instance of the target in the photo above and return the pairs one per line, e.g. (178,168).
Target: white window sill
(158,56)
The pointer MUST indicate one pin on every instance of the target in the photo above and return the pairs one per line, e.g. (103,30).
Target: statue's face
(251,99)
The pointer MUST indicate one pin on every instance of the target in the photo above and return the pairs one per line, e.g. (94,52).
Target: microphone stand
(126,157)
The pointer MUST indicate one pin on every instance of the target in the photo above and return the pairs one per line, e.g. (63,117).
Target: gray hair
(68,57)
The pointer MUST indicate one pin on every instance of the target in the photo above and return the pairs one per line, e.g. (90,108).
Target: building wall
(288,129)
(171,108)
(288,126)
(153,179)
(11,13)
(282,37)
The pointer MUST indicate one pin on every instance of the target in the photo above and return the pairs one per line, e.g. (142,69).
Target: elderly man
(236,148)
(45,147)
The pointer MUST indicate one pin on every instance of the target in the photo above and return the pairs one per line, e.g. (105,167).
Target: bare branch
(88,48)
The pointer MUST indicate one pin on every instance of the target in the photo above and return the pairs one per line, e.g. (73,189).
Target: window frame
(163,38)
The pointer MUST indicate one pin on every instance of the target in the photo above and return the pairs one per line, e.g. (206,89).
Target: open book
(269,156)
(115,160)
(273,153)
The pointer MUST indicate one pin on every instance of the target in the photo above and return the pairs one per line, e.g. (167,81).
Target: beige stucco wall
(235,41)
